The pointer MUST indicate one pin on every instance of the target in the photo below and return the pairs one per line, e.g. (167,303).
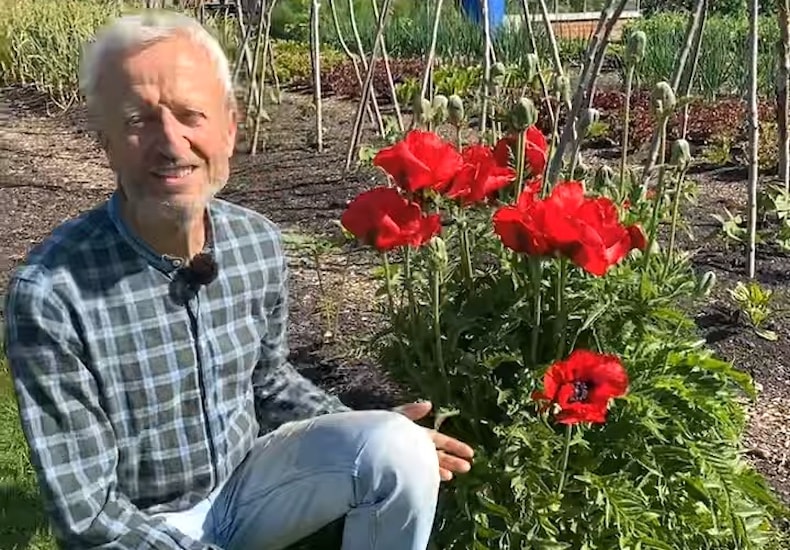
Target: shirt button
(177,263)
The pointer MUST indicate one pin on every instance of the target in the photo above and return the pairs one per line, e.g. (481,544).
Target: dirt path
(51,169)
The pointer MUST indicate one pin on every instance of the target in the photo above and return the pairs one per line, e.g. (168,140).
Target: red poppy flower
(480,176)
(535,150)
(585,230)
(582,386)
(638,237)
(421,160)
(521,228)
(383,218)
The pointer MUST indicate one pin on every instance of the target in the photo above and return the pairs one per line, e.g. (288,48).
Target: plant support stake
(754,132)
(366,88)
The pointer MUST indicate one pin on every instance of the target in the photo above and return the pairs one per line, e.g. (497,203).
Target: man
(147,344)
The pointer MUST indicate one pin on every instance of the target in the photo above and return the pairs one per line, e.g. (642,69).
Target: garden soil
(51,170)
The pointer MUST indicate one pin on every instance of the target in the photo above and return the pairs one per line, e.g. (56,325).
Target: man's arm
(281,393)
(72,443)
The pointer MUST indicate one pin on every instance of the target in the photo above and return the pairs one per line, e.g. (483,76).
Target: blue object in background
(496,12)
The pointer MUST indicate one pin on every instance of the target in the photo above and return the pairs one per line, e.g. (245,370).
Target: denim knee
(399,457)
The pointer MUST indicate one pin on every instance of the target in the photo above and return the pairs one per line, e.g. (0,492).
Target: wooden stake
(315,51)
(352,147)
(754,133)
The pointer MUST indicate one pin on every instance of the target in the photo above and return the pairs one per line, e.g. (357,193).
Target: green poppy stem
(521,144)
(562,307)
(437,325)
(658,199)
(536,272)
(629,84)
(566,456)
(674,225)
(466,251)
(388,285)
(407,281)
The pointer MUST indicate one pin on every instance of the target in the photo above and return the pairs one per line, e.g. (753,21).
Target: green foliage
(724,46)
(755,302)
(664,471)
(41,42)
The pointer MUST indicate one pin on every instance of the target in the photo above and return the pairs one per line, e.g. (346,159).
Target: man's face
(167,128)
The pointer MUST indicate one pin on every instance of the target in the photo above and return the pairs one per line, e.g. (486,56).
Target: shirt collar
(162,262)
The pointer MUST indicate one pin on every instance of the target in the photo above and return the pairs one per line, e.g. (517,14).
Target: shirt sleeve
(72,443)
(281,393)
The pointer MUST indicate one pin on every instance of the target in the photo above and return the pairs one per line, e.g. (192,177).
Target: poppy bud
(455,110)
(681,155)
(439,109)
(562,88)
(439,259)
(706,283)
(604,177)
(663,99)
(421,107)
(635,49)
(523,114)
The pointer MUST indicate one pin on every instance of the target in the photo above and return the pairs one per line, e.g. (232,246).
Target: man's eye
(192,117)
(134,121)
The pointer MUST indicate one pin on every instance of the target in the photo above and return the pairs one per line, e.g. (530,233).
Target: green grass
(23,524)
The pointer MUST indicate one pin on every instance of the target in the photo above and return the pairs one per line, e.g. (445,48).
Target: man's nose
(171,140)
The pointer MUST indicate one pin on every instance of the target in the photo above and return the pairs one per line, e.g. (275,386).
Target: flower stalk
(536,269)
(565,457)
(388,285)
(562,312)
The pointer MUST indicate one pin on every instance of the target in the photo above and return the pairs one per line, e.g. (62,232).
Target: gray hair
(140,30)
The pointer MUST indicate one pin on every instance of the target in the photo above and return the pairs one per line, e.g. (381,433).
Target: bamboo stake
(692,29)
(782,92)
(374,118)
(592,66)
(260,112)
(534,45)
(426,78)
(390,81)
(363,58)
(555,50)
(687,81)
(486,68)
(251,94)
(315,54)
(352,147)
(754,133)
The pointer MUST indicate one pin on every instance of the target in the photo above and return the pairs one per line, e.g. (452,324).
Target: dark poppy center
(581,391)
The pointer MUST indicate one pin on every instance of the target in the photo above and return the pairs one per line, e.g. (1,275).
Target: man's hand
(454,456)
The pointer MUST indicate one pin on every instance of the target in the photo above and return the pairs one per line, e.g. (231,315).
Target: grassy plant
(721,68)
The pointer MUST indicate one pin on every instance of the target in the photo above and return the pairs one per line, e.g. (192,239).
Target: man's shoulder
(245,223)
(81,241)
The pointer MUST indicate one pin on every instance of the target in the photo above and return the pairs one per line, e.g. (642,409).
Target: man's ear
(233,126)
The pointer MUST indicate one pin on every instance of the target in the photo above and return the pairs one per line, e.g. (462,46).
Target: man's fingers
(446,475)
(453,463)
(452,446)
(415,411)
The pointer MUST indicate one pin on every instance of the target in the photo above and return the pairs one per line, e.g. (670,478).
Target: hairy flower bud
(498,71)
(681,154)
(421,108)
(663,100)
(635,49)
(439,259)
(562,88)
(439,109)
(604,177)
(455,110)
(523,114)
(706,283)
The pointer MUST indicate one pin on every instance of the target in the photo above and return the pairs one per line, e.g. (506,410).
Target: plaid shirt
(135,397)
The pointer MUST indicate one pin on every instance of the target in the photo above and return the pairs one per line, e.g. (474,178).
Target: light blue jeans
(377,468)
